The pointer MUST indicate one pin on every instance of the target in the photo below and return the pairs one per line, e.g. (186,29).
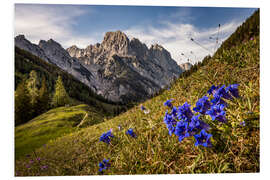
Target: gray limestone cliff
(118,68)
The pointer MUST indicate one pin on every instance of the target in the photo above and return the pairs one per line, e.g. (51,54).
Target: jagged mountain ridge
(119,69)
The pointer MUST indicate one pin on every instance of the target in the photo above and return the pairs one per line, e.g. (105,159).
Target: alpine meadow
(121,107)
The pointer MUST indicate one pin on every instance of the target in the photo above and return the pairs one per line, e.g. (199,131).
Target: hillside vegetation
(53,124)
(236,147)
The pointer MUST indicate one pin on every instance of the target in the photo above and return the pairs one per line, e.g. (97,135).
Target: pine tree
(60,97)
(23,108)
(44,97)
(32,85)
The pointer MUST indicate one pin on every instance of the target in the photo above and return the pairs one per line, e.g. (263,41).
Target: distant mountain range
(119,69)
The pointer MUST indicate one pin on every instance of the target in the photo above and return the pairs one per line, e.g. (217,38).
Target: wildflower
(212,89)
(119,127)
(233,89)
(181,130)
(197,124)
(218,100)
(223,93)
(43,167)
(104,165)
(243,123)
(131,133)
(106,137)
(146,111)
(174,112)
(203,139)
(38,158)
(31,161)
(28,166)
(184,112)
(170,123)
(217,113)
(202,105)
(169,103)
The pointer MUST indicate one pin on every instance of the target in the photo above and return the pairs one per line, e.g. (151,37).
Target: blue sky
(172,27)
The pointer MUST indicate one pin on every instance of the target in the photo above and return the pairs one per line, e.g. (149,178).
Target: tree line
(31,101)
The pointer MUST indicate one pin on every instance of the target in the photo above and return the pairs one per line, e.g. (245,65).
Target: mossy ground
(154,151)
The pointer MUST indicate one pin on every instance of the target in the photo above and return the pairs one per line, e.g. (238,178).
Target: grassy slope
(154,151)
(52,124)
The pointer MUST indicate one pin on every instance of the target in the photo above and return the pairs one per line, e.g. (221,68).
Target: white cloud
(176,38)
(44,22)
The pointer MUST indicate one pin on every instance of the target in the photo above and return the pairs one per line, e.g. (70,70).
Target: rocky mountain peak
(23,43)
(117,36)
(116,42)
(50,43)
(20,37)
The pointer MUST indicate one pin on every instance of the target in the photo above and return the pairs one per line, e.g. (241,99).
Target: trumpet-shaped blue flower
(169,103)
(181,130)
(202,105)
(223,93)
(197,124)
(174,112)
(212,89)
(104,165)
(143,108)
(106,137)
(217,113)
(170,123)
(131,133)
(184,112)
(203,138)
(233,89)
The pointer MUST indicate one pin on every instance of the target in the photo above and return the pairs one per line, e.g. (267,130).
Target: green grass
(51,125)
(236,149)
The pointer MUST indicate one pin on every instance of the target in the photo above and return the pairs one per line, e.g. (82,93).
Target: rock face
(186,66)
(53,53)
(127,69)
(119,69)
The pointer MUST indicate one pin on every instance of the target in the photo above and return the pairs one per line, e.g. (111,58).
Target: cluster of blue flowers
(106,137)
(182,122)
(104,165)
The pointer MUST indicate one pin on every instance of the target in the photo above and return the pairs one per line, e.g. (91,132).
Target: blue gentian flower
(131,133)
(233,89)
(106,137)
(197,124)
(174,112)
(169,103)
(212,89)
(143,108)
(181,130)
(203,138)
(217,113)
(184,112)
(170,123)
(104,165)
(202,105)
(223,93)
